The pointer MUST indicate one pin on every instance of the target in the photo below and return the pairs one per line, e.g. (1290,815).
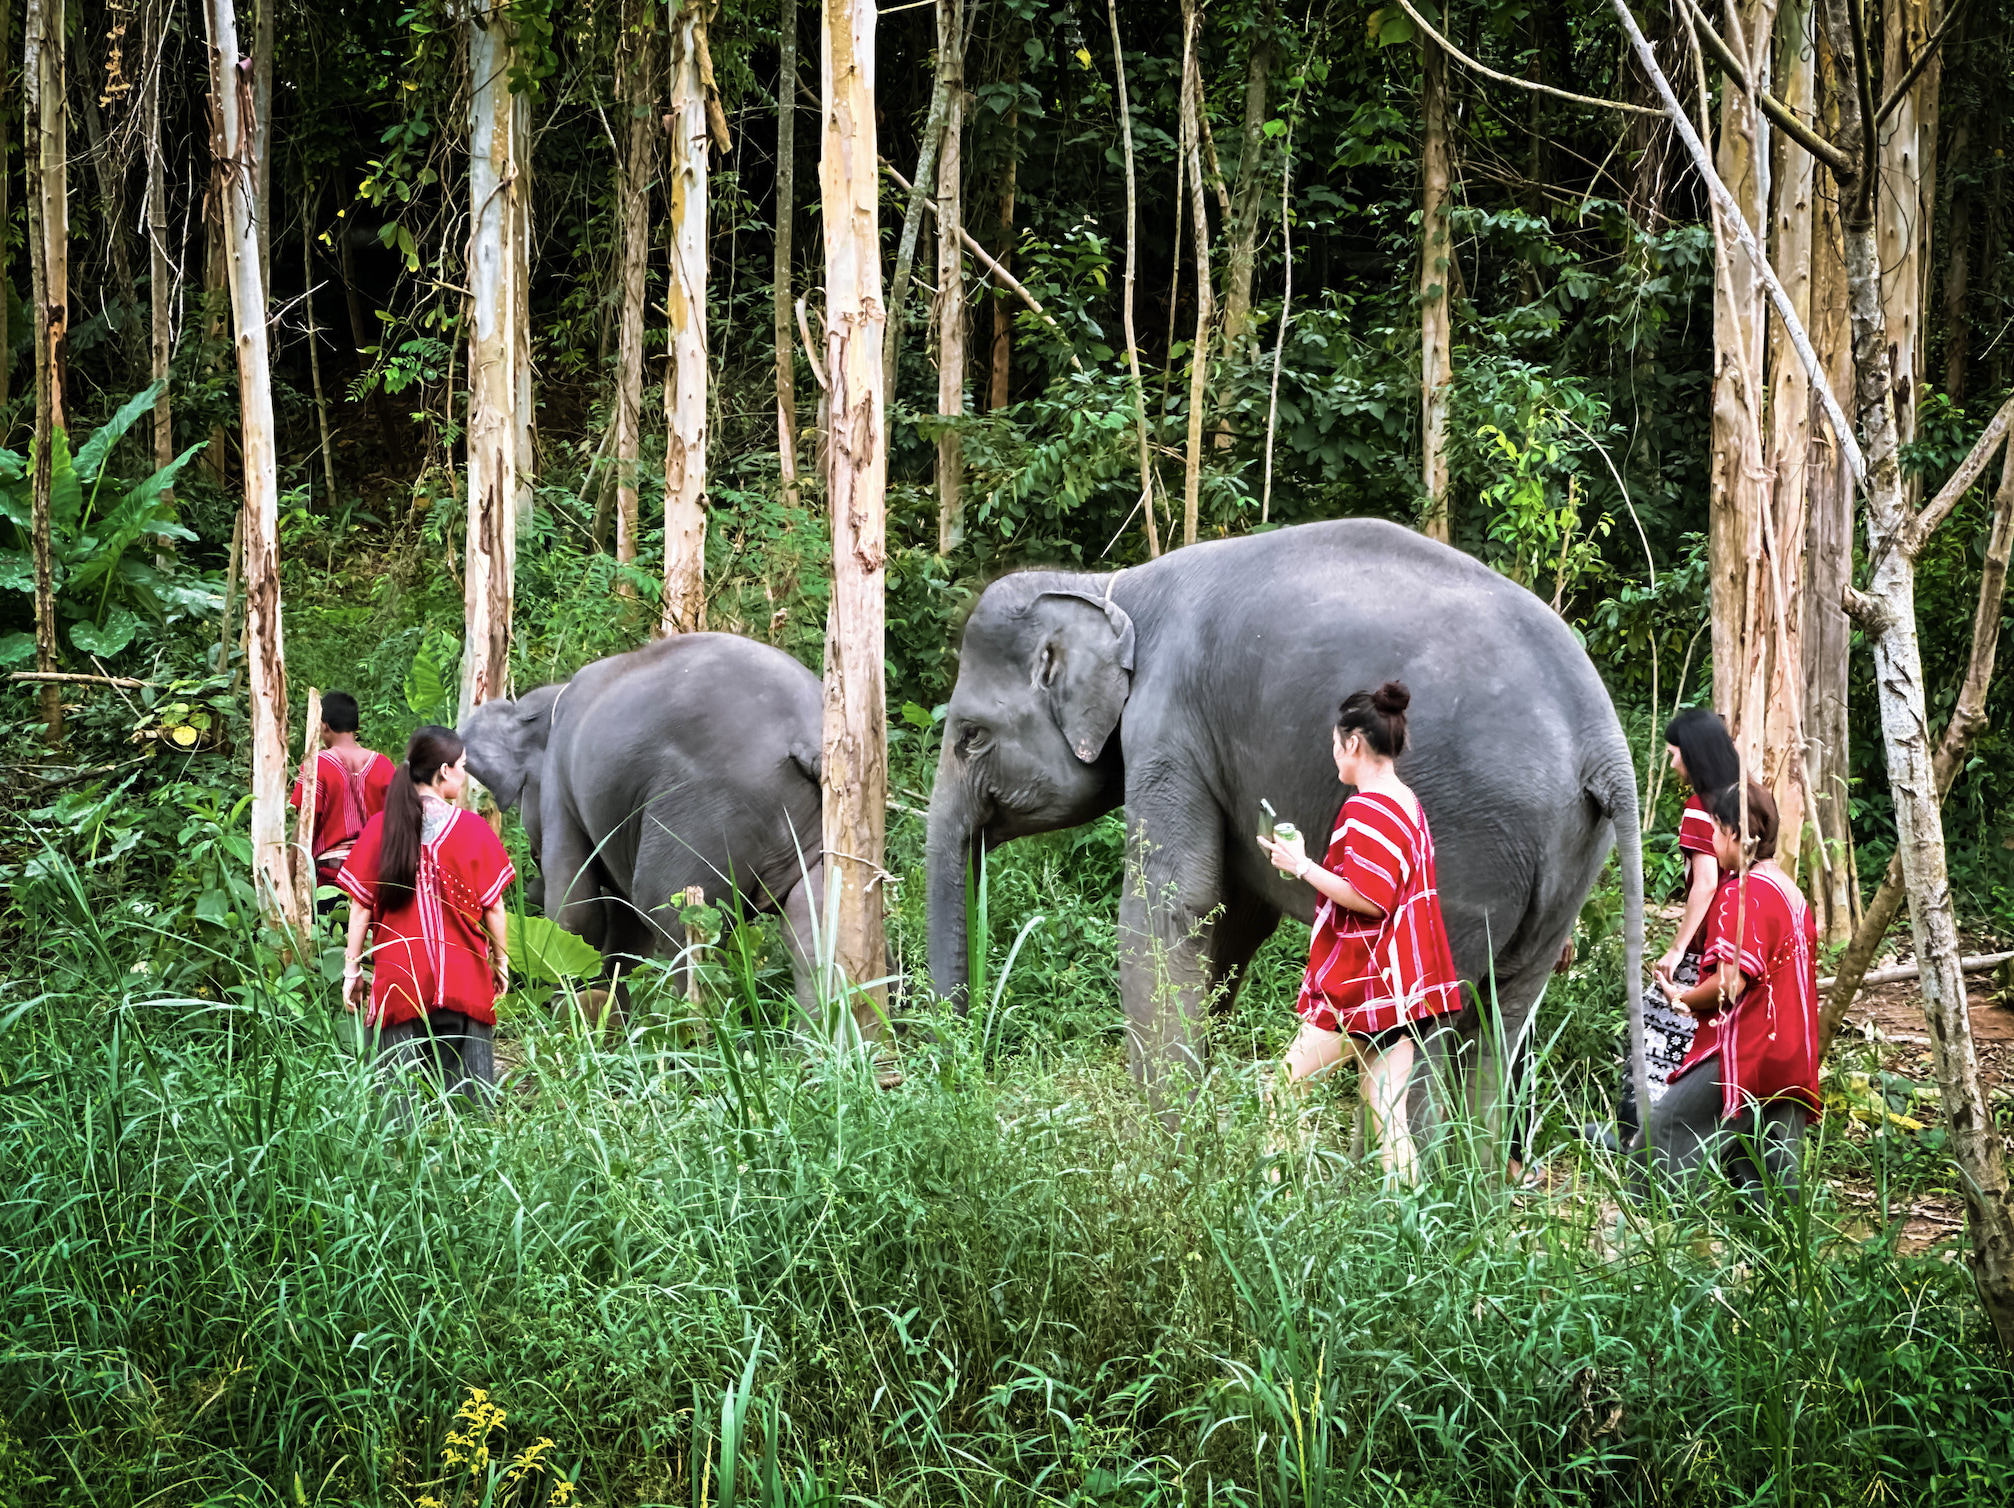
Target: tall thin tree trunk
(781,280)
(1828,571)
(262,127)
(1957,269)
(1734,502)
(49,246)
(855,759)
(1199,350)
(159,308)
(234,136)
(1244,227)
(1888,611)
(215,457)
(498,265)
(315,342)
(684,607)
(1907,140)
(1000,360)
(111,216)
(635,64)
(1777,614)
(6,272)
(920,188)
(1436,313)
(1146,503)
(951,278)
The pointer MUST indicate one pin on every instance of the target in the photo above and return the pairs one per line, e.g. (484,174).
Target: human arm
(1700,890)
(495,923)
(1291,858)
(353,956)
(1719,990)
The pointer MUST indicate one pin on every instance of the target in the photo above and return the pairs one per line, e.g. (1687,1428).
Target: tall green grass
(736,1272)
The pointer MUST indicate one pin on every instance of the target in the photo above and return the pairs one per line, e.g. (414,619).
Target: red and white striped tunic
(1370,973)
(1695,827)
(345,800)
(1768,1043)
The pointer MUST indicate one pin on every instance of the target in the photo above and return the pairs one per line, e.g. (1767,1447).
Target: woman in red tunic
(350,786)
(426,879)
(1749,1082)
(1379,962)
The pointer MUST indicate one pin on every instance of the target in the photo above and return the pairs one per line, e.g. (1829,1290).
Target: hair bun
(1392,698)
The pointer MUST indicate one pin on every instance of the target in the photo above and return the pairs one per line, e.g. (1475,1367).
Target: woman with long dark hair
(426,880)
(1379,962)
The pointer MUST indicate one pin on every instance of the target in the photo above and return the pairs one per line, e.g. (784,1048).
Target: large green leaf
(121,624)
(431,684)
(545,951)
(92,457)
(66,492)
(16,649)
(17,571)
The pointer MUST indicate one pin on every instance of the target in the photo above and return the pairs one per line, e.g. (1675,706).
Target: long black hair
(399,851)
(1700,737)
(1760,840)
(1379,715)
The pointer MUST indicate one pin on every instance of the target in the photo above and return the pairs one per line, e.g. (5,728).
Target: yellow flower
(562,1493)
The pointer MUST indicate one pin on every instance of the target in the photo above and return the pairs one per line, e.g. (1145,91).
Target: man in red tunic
(350,786)
(1749,1083)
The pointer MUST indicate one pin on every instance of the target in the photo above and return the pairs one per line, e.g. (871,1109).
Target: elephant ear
(1084,660)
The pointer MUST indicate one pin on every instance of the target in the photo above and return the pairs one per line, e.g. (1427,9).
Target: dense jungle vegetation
(700,1262)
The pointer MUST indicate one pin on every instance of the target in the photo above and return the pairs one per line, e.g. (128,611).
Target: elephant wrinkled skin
(1188,689)
(691,761)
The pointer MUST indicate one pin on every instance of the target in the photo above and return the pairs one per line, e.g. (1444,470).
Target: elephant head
(1044,670)
(506,741)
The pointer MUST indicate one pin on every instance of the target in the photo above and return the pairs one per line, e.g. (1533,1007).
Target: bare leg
(1386,1077)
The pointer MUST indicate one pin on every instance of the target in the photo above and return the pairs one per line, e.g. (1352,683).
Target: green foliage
(107,592)
(546,954)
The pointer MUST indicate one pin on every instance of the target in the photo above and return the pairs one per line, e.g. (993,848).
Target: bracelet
(1301,869)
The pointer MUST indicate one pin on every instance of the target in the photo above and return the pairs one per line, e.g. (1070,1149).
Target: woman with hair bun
(426,880)
(1379,961)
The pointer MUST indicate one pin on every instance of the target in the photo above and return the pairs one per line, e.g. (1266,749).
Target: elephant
(1189,689)
(691,761)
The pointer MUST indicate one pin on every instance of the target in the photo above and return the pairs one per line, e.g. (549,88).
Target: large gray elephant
(1189,689)
(691,761)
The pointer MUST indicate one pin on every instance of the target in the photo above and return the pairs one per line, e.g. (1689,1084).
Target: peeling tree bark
(635,65)
(781,280)
(1436,260)
(685,415)
(951,277)
(262,128)
(1890,597)
(49,247)
(1907,141)
(855,756)
(6,117)
(1957,270)
(499,266)
(234,132)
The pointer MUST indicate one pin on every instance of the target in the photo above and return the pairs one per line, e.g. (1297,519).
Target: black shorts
(1390,1037)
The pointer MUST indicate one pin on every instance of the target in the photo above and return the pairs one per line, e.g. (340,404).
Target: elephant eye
(971,739)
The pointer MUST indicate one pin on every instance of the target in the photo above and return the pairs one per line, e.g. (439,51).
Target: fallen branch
(1005,278)
(73,678)
(1675,112)
(1979,963)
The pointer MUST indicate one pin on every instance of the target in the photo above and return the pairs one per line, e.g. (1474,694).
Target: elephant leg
(1247,921)
(801,921)
(571,892)
(1501,1084)
(1174,888)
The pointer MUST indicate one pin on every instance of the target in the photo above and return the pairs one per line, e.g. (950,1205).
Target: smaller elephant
(691,761)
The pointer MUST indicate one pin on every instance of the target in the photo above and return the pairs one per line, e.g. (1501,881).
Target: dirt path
(1889,1018)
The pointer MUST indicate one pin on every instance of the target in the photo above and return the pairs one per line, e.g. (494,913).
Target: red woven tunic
(430,951)
(1369,973)
(344,801)
(1768,1043)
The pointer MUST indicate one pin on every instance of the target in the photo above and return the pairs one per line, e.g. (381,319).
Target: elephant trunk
(955,821)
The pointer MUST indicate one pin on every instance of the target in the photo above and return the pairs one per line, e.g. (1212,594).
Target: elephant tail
(1615,790)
